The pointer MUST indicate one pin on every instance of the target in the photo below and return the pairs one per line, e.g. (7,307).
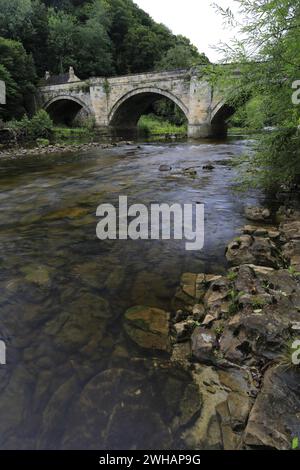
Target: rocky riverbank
(19,151)
(233,334)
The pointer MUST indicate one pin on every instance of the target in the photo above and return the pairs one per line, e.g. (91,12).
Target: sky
(195,19)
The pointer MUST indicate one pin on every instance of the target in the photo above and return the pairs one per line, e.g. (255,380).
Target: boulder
(291,230)
(257,214)
(227,401)
(253,250)
(275,417)
(259,335)
(148,327)
(217,293)
(203,343)
(291,248)
(186,292)
(261,231)
(183,330)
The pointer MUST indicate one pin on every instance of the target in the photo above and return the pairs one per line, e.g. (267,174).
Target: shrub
(42,142)
(41,125)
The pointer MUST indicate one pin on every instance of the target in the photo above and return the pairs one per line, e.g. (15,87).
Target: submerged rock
(39,275)
(165,168)
(148,327)
(208,166)
(82,324)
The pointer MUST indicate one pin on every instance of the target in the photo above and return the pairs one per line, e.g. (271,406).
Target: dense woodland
(96,37)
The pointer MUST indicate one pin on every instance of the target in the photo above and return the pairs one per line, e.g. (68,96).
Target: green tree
(14,16)
(61,41)
(268,63)
(17,70)
(26,21)
(181,56)
(92,42)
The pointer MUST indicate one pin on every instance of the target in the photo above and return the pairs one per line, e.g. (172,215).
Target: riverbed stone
(83,321)
(14,402)
(165,168)
(136,426)
(148,327)
(37,274)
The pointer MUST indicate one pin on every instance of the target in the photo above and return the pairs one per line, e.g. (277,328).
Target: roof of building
(60,79)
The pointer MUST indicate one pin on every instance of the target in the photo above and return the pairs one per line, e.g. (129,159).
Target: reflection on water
(73,380)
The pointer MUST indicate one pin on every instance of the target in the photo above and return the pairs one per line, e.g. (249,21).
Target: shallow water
(73,379)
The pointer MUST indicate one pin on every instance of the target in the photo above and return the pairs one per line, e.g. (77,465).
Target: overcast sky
(196,19)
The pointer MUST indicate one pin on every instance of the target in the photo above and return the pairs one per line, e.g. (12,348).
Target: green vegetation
(42,142)
(268,63)
(234,305)
(258,303)
(74,134)
(250,115)
(293,271)
(295,443)
(155,125)
(17,70)
(39,126)
(232,276)
(288,355)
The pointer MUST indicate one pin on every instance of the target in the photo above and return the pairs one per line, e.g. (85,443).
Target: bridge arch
(63,109)
(220,114)
(127,111)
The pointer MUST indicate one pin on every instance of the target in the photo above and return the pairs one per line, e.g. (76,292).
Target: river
(73,379)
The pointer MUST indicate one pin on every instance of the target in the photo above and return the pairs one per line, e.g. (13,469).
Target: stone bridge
(117,103)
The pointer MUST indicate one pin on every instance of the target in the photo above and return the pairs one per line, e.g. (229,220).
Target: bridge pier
(207,130)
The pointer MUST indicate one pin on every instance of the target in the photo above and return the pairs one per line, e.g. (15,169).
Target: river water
(73,379)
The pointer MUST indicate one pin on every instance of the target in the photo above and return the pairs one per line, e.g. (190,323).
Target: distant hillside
(97,37)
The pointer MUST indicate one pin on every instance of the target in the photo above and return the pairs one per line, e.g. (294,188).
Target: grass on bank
(73,134)
(153,125)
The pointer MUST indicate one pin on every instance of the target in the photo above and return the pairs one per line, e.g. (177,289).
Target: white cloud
(195,19)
